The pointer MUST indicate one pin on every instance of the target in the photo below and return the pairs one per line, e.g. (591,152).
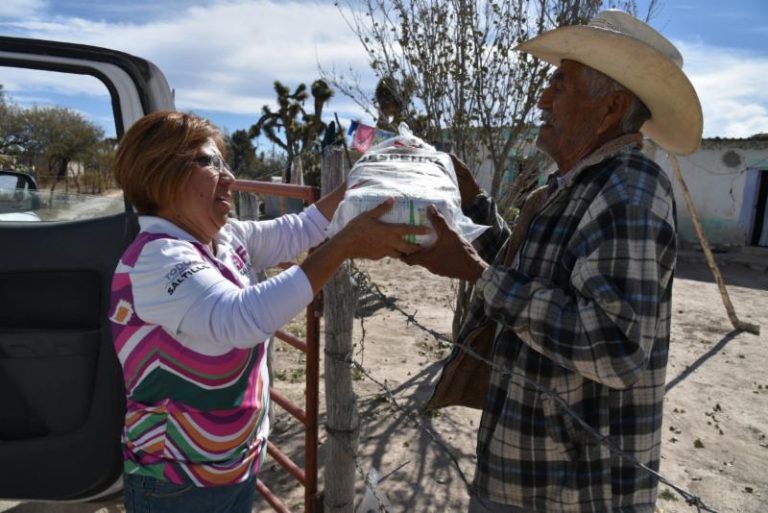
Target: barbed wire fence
(367,287)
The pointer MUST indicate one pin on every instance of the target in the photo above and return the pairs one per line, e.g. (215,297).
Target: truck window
(57,140)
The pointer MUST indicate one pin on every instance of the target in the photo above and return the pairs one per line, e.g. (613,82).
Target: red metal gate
(311,347)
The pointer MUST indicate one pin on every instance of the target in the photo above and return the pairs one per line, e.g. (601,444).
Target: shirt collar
(155,224)
(556,181)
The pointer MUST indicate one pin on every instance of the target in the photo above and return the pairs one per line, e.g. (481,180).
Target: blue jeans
(148,495)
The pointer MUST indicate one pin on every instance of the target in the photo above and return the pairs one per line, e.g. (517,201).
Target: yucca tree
(291,127)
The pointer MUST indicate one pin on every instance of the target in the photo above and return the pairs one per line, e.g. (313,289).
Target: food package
(416,175)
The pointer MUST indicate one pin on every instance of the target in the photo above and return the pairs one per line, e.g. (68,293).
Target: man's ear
(617,103)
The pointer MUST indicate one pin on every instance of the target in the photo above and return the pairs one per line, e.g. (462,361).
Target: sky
(222,56)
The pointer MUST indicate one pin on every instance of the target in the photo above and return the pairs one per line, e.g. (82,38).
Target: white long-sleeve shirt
(179,289)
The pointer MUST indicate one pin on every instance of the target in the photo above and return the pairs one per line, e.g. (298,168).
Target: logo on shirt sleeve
(123,313)
(181,272)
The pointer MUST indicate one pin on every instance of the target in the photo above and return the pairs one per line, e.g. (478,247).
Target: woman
(191,323)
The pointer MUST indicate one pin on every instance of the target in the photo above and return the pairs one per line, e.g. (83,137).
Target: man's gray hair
(599,84)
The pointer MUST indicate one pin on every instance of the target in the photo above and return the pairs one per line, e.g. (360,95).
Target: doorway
(760,226)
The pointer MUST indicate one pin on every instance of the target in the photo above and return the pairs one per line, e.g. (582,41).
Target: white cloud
(21,8)
(732,87)
(225,56)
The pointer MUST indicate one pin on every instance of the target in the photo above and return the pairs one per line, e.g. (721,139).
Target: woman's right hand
(366,236)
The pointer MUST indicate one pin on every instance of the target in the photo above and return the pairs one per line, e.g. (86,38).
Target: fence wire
(366,285)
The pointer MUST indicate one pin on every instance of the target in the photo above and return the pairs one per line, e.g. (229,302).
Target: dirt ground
(715,430)
(716,416)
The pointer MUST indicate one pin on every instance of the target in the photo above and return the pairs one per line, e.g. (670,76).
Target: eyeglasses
(214,162)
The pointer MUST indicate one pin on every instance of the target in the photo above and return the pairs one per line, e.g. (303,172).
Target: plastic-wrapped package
(416,175)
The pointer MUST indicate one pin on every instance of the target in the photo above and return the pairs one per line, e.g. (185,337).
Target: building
(728,183)
(727,180)
(522,152)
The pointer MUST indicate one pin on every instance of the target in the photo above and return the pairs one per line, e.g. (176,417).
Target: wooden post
(737,324)
(248,204)
(342,423)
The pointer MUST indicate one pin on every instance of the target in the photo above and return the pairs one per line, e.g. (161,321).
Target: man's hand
(450,256)
(468,186)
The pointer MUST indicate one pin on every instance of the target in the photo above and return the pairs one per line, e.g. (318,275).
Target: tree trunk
(342,424)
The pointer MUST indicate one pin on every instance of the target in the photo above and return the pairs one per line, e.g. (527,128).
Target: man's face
(571,119)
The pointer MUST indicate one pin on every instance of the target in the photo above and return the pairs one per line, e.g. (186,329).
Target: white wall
(721,178)
(717,179)
(484,172)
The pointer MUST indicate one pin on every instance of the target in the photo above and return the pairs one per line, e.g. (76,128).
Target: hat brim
(676,122)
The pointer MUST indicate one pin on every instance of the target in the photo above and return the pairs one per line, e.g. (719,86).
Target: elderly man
(578,293)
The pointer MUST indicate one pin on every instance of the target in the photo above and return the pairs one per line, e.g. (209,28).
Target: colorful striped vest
(191,418)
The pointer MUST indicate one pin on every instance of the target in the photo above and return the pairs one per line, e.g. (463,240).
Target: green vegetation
(667,495)
(293,129)
(55,144)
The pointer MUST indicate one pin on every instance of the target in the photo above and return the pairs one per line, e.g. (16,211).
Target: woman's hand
(365,236)
(328,203)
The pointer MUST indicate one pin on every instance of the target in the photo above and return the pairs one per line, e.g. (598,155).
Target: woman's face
(203,205)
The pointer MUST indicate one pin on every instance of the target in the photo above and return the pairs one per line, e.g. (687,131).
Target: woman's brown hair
(155,156)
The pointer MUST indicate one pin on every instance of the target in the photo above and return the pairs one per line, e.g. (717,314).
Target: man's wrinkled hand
(451,255)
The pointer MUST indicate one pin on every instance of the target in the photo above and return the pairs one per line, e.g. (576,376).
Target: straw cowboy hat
(640,59)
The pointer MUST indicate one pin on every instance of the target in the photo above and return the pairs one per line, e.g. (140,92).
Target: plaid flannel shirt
(585,312)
